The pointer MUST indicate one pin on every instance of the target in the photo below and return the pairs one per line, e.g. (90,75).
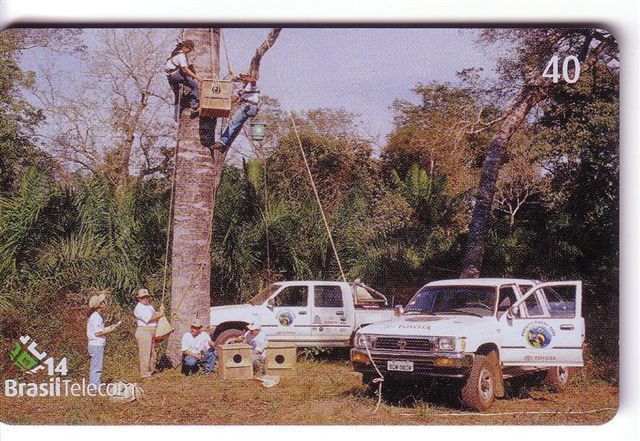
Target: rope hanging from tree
(315,192)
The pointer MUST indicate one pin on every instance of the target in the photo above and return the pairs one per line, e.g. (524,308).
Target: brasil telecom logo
(28,359)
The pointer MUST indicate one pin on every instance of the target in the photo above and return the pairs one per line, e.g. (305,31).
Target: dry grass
(320,393)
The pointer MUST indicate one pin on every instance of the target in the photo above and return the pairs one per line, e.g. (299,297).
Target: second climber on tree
(180,72)
(247,96)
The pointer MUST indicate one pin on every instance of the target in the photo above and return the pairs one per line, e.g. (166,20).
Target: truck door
(288,317)
(332,314)
(544,328)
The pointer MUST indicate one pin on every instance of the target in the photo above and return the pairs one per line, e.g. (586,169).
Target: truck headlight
(361,339)
(446,343)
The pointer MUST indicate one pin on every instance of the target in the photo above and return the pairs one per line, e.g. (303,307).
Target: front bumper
(441,364)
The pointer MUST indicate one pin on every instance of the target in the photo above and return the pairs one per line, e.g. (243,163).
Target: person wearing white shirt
(146,319)
(179,72)
(258,341)
(96,337)
(248,98)
(197,350)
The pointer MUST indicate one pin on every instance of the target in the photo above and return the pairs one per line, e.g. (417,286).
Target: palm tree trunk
(196,180)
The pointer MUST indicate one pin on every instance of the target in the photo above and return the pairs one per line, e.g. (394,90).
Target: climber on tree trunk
(248,97)
(180,72)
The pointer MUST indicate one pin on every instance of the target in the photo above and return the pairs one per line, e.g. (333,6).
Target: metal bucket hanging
(258,131)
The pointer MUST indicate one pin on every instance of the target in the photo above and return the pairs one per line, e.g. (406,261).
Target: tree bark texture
(196,180)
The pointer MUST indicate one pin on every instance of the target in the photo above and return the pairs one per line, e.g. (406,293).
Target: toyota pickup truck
(307,313)
(476,333)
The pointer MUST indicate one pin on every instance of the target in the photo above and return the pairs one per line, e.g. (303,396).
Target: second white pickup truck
(475,333)
(307,313)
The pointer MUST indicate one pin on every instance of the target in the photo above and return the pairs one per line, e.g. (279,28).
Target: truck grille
(404,344)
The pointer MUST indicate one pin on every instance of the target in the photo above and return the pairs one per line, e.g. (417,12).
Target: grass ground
(321,392)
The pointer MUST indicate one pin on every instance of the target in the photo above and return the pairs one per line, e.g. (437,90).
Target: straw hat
(142,292)
(253,327)
(96,299)
(196,324)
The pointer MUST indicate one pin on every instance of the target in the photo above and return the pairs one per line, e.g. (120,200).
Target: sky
(360,70)
(357,69)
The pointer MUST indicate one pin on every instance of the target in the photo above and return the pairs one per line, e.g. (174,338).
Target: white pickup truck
(307,313)
(476,333)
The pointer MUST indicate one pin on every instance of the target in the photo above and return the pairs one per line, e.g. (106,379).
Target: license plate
(398,365)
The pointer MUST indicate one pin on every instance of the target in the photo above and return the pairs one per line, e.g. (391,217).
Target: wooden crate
(215,98)
(281,358)
(236,361)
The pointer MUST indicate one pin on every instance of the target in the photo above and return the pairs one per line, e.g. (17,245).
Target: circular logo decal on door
(538,336)
(285,318)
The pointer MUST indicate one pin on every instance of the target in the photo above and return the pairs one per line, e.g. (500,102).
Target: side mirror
(270,304)
(398,310)
(514,311)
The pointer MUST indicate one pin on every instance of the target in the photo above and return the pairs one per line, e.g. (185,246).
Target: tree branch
(254,67)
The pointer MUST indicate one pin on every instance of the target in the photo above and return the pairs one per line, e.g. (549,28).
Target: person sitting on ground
(198,350)
(248,98)
(180,72)
(258,341)
(147,320)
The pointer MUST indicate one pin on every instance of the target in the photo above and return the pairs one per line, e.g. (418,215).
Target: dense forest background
(84,198)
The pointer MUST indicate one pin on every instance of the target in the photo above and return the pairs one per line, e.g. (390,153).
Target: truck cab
(307,313)
(476,332)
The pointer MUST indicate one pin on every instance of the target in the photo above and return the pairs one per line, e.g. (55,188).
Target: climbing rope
(315,192)
(226,55)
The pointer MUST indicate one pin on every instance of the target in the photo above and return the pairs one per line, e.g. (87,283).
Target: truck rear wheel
(558,378)
(225,336)
(479,391)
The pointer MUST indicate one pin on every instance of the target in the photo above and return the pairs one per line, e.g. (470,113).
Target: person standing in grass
(96,335)
(147,320)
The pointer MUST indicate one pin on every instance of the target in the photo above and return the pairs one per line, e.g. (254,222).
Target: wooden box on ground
(281,359)
(215,98)
(236,361)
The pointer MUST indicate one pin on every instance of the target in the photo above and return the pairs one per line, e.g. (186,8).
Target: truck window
(506,299)
(533,306)
(472,300)
(561,304)
(292,296)
(328,297)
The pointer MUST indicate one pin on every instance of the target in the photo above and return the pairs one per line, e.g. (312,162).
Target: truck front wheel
(558,378)
(479,391)
(227,335)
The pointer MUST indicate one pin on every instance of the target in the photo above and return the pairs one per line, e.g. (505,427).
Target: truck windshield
(472,300)
(264,294)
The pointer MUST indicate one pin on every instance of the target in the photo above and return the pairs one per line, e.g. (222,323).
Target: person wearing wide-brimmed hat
(198,350)
(146,319)
(96,336)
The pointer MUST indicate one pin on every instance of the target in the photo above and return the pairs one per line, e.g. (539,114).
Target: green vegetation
(398,220)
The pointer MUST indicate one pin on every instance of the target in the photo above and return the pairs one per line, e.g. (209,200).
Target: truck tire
(478,392)
(227,335)
(558,378)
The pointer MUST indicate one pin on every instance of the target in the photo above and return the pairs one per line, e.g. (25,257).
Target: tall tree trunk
(515,115)
(196,180)
(481,218)
(130,136)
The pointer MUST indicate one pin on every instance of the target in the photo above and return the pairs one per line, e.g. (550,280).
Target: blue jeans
(176,79)
(96,354)
(241,115)
(191,364)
